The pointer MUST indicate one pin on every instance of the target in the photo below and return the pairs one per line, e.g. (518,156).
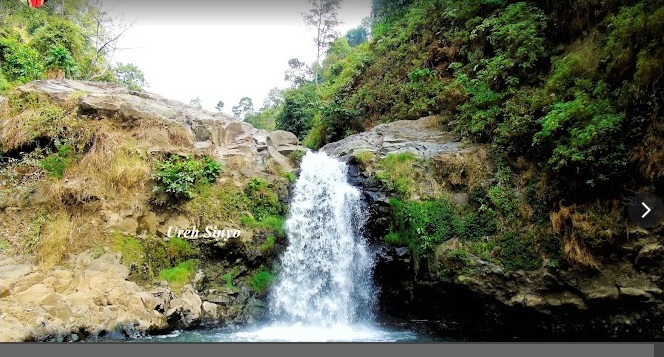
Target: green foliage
(55,164)
(364,157)
(290,176)
(519,251)
(263,201)
(34,230)
(19,62)
(423,225)
(177,176)
(273,224)
(60,33)
(397,173)
(296,157)
(59,58)
(269,244)
(3,245)
(180,274)
(261,281)
(584,138)
(228,278)
(130,76)
(152,258)
(299,107)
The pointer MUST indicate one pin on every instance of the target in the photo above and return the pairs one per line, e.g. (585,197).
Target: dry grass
(457,170)
(179,136)
(113,167)
(55,241)
(18,130)
(573,226)
(650,155)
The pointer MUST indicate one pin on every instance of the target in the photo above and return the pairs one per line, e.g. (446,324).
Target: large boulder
(90,297)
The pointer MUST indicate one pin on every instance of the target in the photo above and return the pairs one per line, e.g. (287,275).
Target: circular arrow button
(646,210)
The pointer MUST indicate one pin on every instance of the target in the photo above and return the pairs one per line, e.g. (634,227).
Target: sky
(222,50)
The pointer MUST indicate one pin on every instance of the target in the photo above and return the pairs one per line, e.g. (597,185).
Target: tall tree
(298,72)
(130,75)
(245,107)
(220,105)
(275,97)
(323,17)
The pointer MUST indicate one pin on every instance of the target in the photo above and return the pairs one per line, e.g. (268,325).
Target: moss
(146,258)
(364,157)
(269,244)
(263,201)
(180,274)
(397,173)
(290,176)
(220,202)
(272,224)
(261,281)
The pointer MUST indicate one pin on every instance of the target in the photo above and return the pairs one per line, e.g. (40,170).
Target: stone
(148,223)
(210,310)
(650,254)
(635,293)
(176,222)
(278,138)
(422,137)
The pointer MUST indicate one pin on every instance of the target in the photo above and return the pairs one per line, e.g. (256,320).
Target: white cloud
(224,52)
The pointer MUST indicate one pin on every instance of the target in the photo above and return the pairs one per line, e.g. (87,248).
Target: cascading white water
(325,273)
(324,289)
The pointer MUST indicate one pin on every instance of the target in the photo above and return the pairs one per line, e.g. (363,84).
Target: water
(323,291)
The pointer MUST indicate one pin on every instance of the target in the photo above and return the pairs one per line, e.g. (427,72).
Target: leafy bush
(177,176)
(296,156)
(56,163)
(263,201)
(20,62)
(423,225)
(59,58)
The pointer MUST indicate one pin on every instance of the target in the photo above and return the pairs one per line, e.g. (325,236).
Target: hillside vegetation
(566,94)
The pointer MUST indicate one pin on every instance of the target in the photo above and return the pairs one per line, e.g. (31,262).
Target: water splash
(325,273)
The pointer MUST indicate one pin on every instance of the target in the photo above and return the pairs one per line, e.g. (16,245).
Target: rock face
(465,297)
(217,134)
(91,294)
(90,298)
(423,137)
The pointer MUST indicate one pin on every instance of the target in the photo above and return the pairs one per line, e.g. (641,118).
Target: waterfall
(325,276)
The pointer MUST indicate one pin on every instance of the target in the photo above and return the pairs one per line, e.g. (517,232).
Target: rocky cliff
(470,286)
(84,242)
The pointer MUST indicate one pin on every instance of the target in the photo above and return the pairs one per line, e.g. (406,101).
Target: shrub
(177,176)
(518,252)
(296,156)
(20,62)
(423,225)
(56,163)
(263,201)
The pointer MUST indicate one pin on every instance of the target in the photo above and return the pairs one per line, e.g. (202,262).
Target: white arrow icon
(648,210)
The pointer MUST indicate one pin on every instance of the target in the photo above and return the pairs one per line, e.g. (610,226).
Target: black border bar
(332,349)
